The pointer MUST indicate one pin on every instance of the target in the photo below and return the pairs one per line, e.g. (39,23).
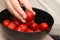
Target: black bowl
(41,16)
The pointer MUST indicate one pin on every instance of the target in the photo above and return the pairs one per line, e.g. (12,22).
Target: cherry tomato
(30,15)
(44,26)
(29,30)
(17,22)
(30,23)
(12,26)
(34,26)
(22,28)
(6,22)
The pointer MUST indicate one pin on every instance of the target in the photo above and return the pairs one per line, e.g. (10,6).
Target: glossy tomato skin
(43,26)
(29,31)
(33,21)
(34,26)
(12,26)
(6,22)
(16,21)
(22,28)
(30,23)
(30,15)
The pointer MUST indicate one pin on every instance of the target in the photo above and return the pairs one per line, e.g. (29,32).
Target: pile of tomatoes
(29,26)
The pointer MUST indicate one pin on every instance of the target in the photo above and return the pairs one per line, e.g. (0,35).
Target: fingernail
(25,16)
(34,13)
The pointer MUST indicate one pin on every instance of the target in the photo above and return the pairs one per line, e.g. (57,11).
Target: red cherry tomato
(34,26)
(44,26)
(30,15)
(17,22)
(30,23)
(29,30)
(6,22)
(22,28)
(12,26)
(33,21)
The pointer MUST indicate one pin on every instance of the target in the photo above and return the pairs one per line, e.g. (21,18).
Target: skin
(14,6)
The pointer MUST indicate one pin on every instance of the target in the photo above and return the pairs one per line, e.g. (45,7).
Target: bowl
(41,16)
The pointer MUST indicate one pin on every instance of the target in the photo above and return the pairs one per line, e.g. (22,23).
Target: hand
(14,6)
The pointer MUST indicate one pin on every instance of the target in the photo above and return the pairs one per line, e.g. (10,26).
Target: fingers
(13,11)
(27,5)
(18,8)
(14,7)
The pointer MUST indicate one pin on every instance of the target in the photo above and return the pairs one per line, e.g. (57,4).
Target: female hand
(14,6)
